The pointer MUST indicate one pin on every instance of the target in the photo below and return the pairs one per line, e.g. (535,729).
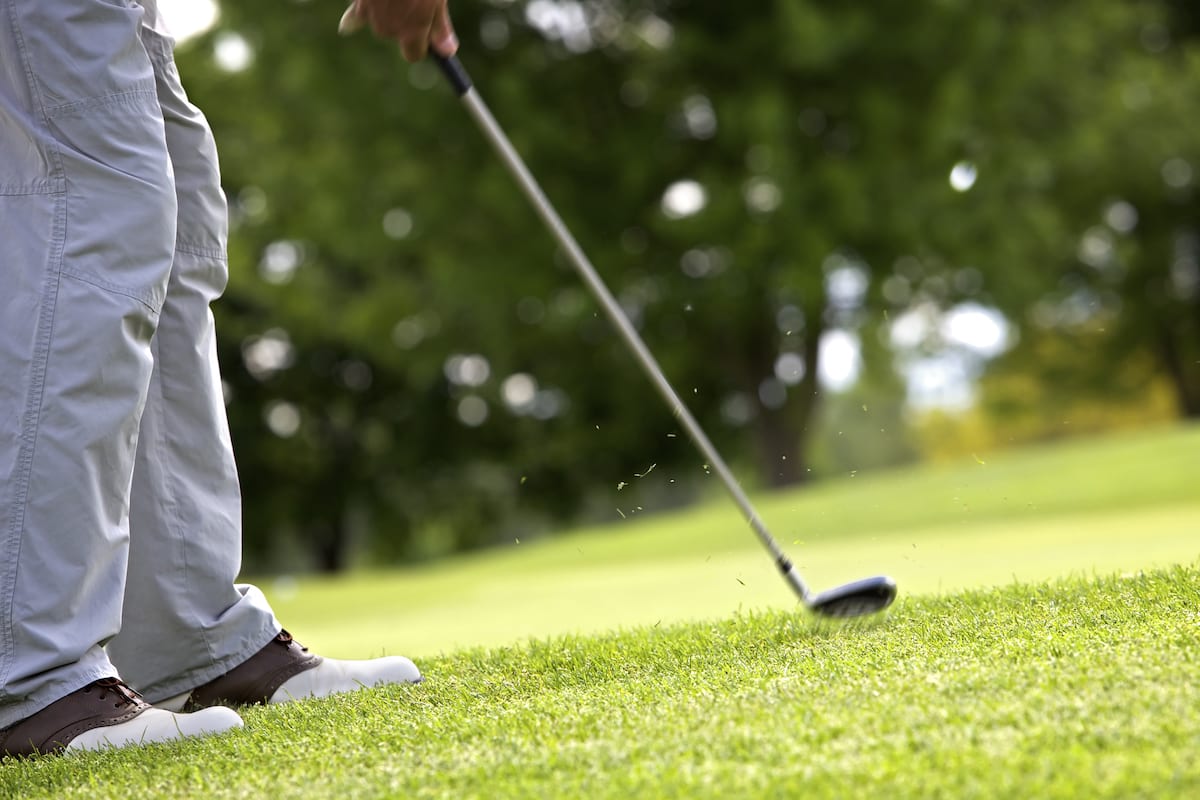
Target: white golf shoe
(284,670)
(107,713)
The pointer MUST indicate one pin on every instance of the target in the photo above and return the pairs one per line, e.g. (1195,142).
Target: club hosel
(792,577)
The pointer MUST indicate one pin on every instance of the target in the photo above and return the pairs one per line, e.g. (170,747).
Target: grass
(1043,646)
(1084,508)
(1076,688)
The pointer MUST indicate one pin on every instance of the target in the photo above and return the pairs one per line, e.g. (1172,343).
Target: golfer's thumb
(441,36)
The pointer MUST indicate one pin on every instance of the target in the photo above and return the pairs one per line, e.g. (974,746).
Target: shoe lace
(125,696)
(284,638)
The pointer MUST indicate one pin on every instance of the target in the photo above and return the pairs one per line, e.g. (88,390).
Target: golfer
(120,513)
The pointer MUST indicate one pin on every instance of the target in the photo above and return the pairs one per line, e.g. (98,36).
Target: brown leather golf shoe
(257,678)
(284,670)
(106,713)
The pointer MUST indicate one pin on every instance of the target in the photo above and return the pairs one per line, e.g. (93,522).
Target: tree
(412,364)
(1096,174)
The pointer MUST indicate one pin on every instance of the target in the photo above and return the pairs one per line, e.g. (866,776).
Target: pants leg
(87,233)
(185,620)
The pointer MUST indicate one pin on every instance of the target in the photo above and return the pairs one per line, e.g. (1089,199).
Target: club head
(856,599)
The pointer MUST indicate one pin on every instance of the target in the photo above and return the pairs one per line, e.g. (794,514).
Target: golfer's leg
(185,620)
(87,229)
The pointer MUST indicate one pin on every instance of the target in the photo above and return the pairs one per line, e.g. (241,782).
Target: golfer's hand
(417,25)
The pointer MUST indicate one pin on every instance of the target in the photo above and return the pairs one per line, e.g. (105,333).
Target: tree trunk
(782,435)
(781,457)
(328,531)
(329,546)
(1183,371)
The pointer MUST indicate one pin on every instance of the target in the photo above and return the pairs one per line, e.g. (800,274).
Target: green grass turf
(1076,688)
(1089,507)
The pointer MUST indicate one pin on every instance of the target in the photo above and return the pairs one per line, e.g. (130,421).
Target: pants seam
(41,356)
(170,494)
(30,78)
(34,188)
(199,250)
(127,97)
(39,365)
(108,286)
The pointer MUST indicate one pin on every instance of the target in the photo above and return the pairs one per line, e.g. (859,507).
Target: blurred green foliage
(413,370)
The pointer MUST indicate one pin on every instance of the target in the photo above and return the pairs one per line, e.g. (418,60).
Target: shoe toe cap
(158,725)
(214,720)
(394,669)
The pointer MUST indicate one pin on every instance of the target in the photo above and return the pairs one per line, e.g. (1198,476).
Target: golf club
(854,599)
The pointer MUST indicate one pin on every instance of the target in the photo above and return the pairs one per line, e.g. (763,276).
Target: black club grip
(452,68)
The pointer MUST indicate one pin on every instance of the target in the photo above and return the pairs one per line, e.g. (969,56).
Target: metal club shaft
(579,260)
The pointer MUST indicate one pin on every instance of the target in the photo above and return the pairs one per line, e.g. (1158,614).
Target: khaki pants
(120,512)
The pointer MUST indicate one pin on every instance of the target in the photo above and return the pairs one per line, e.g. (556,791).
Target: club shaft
(579,260)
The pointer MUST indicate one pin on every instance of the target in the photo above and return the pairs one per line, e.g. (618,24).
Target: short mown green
(1078,688)
(1087,507)
(662,657)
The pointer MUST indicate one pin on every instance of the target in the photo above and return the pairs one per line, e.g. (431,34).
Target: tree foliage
(413,369)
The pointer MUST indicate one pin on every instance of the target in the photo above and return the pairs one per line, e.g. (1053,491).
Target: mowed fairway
(1050,687)
(1114,505)
(1081,688)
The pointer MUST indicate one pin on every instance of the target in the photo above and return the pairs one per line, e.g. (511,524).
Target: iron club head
(851,600)
(856,599)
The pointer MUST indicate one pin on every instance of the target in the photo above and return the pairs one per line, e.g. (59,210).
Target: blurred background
(858,236)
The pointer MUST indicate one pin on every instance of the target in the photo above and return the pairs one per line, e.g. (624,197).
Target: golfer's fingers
(414,46)
(414,34)
(424,25)
(442,37)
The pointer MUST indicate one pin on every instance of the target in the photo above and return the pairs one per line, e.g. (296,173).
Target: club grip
(452,68)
